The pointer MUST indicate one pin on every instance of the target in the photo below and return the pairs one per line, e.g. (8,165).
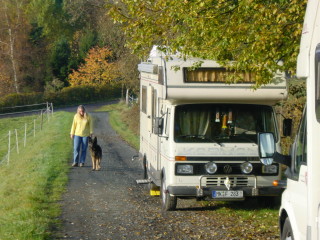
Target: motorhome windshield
(222,123)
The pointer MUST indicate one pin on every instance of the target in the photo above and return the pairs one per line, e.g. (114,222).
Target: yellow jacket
(81,126)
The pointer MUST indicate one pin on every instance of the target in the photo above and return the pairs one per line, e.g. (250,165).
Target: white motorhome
(299,215)
(198,134)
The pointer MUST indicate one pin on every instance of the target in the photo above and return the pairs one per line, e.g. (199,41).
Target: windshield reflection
(222,122)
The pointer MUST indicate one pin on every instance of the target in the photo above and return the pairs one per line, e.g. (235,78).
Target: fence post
(48,109)
(17,142)
(51,109)
(25,135)
(34,127)
(41,120)
(9,144)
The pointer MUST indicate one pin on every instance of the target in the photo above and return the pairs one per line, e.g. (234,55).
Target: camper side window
(166,123)
(144,99)
(160,75)
(154,103)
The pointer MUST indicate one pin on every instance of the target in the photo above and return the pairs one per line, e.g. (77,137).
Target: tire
(153,187)
(287,233)
(169,203)
(144,162)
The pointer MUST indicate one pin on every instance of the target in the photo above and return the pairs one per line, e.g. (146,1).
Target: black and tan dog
(96,153)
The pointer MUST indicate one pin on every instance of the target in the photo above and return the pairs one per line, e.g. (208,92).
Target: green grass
(32,183)
(116,120)
(19,124)
(252,219)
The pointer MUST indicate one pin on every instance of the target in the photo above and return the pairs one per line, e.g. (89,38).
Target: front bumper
(204,191)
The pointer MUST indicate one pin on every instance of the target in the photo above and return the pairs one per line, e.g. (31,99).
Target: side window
(154,102)
(317,83)
(301,146)
(166,127)
(144,99)
(154,109)
(168,121)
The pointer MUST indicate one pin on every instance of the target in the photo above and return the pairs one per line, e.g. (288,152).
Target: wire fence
(34,108)
(18,138)
(132,100)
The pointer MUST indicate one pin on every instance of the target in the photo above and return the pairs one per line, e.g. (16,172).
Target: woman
(81,129)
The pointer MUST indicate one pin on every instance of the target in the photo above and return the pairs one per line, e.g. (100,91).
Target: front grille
(227,168)
(219,181)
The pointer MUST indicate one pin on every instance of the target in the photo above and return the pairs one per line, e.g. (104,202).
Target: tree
(82,42)
(59,59)
(52,17)
(111,35)
(11,35)
(243,35)
(97,69)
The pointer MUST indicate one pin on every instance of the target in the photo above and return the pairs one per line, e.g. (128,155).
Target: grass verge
(252,219)
(120,119)
(20,124)
(32,184)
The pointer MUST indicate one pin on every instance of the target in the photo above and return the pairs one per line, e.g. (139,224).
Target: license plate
(227,194)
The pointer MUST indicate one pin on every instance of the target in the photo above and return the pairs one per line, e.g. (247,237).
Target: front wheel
(169,203)
(287,233)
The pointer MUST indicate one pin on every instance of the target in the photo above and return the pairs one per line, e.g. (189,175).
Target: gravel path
(108,204)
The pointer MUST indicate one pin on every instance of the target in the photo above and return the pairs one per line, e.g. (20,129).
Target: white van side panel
(313,126)
(306,69)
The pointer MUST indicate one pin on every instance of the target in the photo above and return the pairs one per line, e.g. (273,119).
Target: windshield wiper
(244,137)
(203,137)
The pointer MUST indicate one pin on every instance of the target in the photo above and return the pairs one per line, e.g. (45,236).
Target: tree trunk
(13,62)
(11,47)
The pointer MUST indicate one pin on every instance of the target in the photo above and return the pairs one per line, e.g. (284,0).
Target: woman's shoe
(81,164)
(74,164)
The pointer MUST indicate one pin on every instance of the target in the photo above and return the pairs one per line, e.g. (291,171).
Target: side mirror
(287,127)
(267,148)
(158,125)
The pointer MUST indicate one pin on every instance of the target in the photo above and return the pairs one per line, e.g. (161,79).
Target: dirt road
(108,204)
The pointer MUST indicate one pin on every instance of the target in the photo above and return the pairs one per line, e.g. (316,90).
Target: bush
(67,96)
(11,100)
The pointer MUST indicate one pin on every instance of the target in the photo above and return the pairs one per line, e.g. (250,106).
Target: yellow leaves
(97,70)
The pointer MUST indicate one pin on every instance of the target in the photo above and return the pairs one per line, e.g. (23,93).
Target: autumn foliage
(97,69)
(253,36)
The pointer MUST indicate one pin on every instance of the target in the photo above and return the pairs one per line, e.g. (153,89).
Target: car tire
(287,233)
(169,203)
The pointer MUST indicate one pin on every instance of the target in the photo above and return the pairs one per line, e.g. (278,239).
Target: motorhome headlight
(211,167)
(270,169)
(184,169)
(246,167)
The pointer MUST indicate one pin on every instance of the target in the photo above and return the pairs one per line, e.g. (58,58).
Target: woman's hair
(83,109)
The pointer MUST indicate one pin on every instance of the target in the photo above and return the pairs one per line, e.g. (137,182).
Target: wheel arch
(144,165)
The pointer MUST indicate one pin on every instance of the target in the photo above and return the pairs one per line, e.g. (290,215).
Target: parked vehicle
(300,205)
(198,133)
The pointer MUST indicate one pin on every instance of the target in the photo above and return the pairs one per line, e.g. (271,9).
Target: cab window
(301,146)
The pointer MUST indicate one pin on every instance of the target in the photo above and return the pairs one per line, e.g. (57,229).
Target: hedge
(67,96)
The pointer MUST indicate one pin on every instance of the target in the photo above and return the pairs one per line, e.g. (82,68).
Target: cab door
(297,181)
